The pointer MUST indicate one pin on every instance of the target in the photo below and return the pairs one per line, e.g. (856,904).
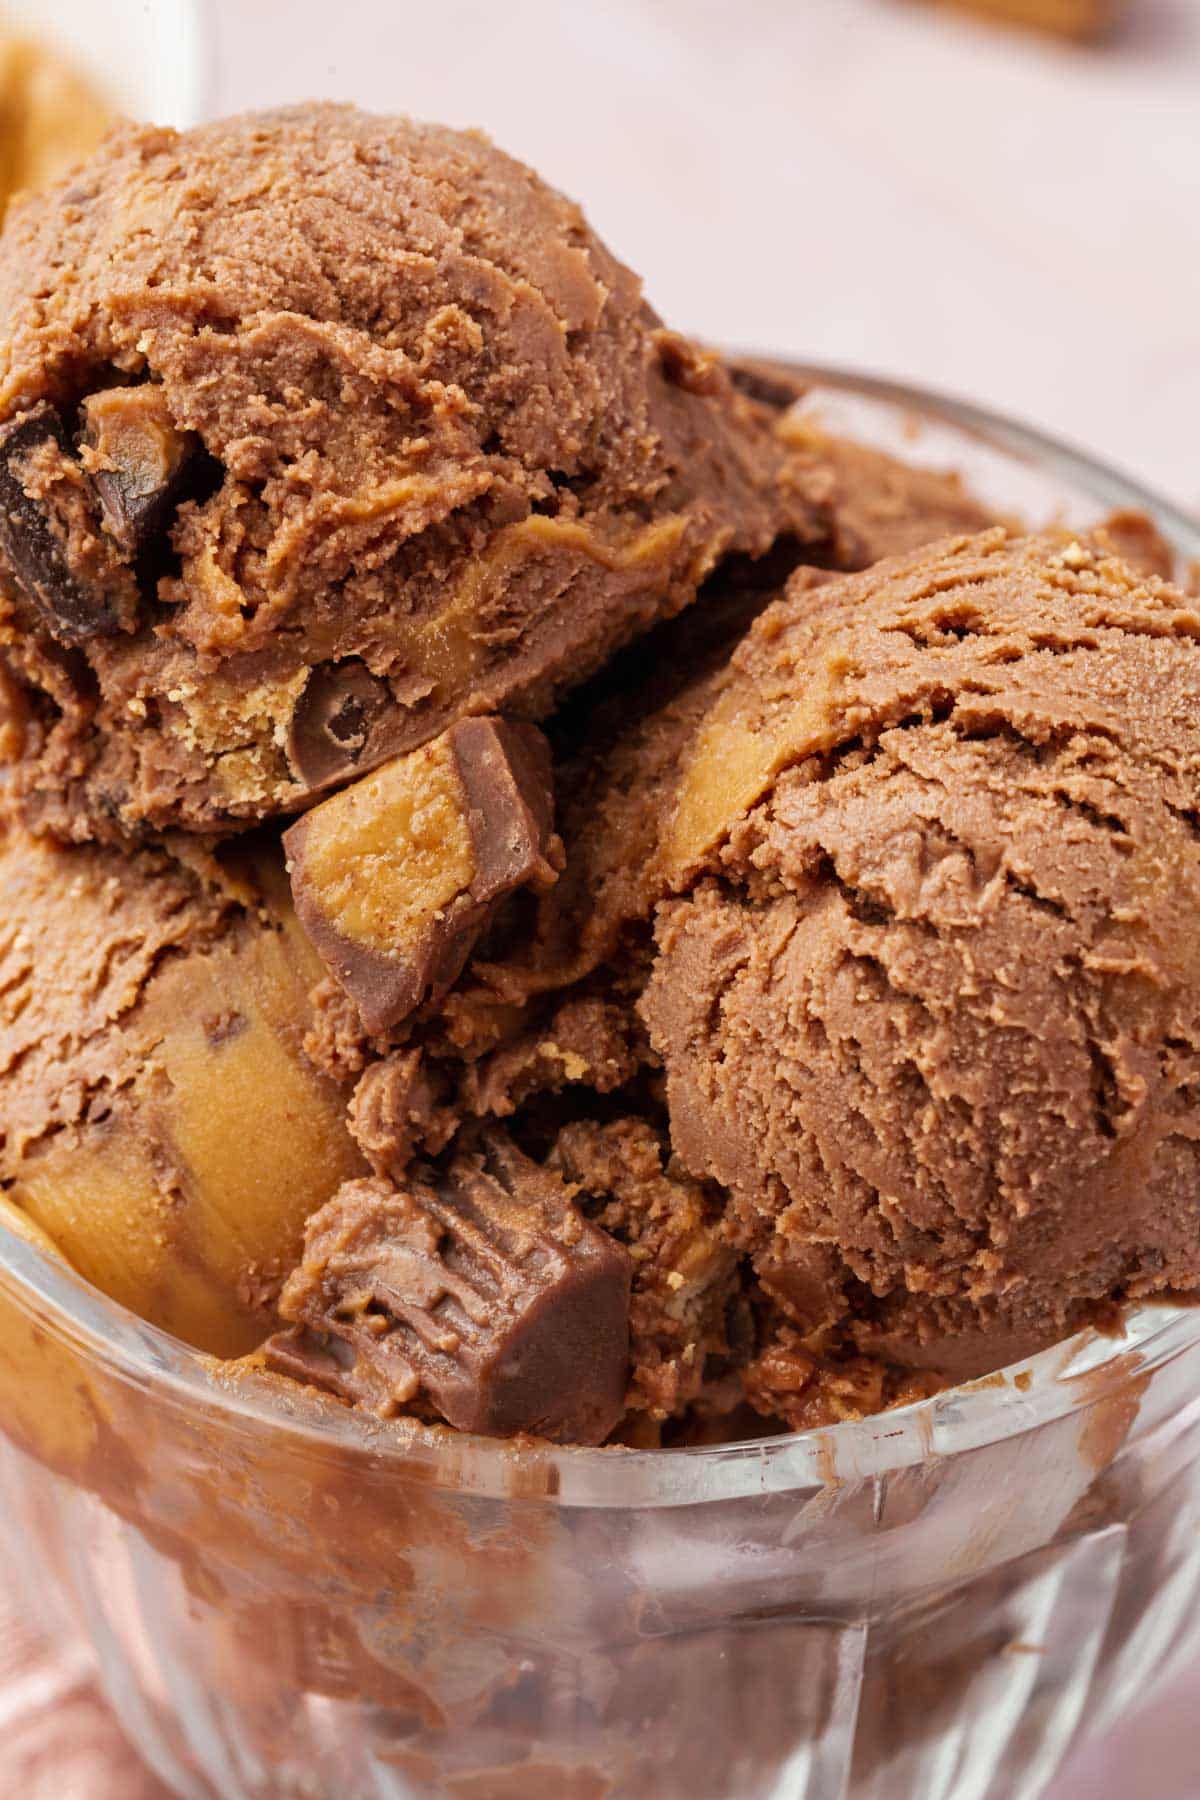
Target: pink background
(874,182)
(862,181)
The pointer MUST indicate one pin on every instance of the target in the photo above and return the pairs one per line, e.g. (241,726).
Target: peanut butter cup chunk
(481,1291)
(56,559)
(137,458)
(395,877)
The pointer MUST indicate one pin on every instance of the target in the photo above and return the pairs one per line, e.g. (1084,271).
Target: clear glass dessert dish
(288,1599)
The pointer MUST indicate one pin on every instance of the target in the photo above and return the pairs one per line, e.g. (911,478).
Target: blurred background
(1008,211)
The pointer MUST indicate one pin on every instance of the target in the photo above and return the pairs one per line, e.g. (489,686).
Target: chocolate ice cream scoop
(624,744)
(362,428)
(161,1121)
(927,993)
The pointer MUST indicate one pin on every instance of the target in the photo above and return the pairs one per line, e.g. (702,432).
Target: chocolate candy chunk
(136,457)
(314,1358)
(395,877)
(332,721)
(482,1292)
(773,384)
(49,534)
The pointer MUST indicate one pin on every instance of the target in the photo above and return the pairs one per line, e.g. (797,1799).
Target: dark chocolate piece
(483,1291)
(138,460)
(772,384)
(395,877)
(332,721)
(34,453)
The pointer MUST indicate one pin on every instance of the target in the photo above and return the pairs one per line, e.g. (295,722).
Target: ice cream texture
(161,1122)
(416,988)
(928,1007)
(317,431)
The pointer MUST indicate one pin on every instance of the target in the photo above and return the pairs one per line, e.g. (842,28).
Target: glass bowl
(286,1599)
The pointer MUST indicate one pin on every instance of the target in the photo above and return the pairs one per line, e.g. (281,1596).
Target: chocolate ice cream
(161,1120)
(878,505)
(800,1017)
(923,987)
(861,1010)
(317,431)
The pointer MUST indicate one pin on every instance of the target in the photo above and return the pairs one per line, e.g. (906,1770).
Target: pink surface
(58,1740)
(854,180)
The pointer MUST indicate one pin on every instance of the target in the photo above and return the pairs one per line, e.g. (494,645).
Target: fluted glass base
(281,1616)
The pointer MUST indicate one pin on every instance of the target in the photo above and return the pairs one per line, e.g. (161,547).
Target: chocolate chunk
(772,384)
(509,784)
(314,1358)
(136,459)
(332,721)
(483,1292)
(395,877)
(45,505)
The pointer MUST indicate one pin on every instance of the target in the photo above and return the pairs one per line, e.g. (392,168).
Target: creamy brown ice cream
(802,1016)
(879,506)
(928,1007)
(318,430)
(161,1121)
(864,992)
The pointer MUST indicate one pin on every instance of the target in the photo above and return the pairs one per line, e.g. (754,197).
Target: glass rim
(1110,486)
(1067,1377)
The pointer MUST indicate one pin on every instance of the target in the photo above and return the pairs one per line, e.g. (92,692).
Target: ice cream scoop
(161,1121)
(926,990)
(333,428)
